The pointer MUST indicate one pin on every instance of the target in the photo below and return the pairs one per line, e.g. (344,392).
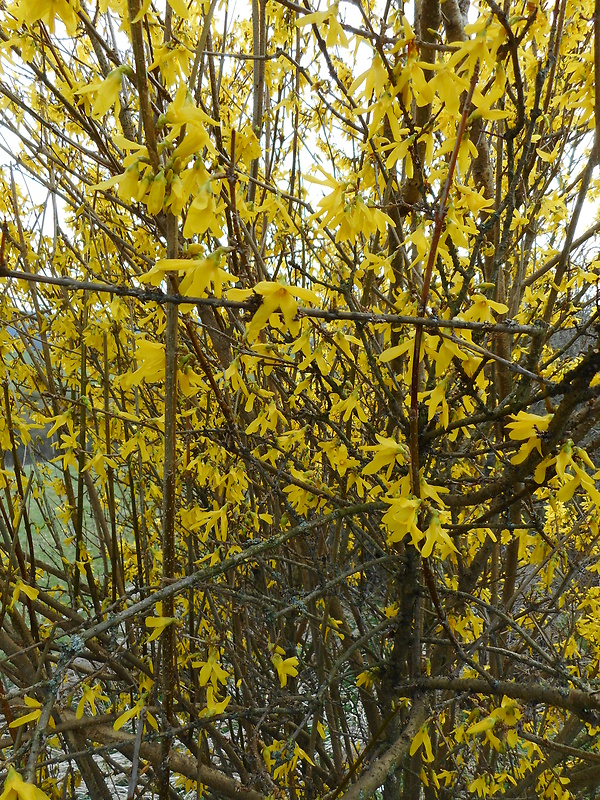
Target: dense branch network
(300,360)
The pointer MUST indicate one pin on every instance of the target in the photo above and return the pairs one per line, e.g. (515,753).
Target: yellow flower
(213,707)
(527,428)
(128,183)
(180,8)
(201,214)
(275,297)
(15,788)
(30,11)
(156,196)
(30,591)
(247,146)
(481,310)
(326,20)
(211,670)
(150,357)
(130,713)
(199,275)
(284,666)
(33,716)
(387,453)
(90,695)
(106,92)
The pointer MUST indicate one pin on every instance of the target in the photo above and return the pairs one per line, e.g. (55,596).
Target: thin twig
(367,317)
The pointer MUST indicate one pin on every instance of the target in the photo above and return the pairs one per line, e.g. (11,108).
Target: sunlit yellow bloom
(326,21)
(29,12)
(106,92)
(199,274)
(156,196)
(247,146)
(276,297)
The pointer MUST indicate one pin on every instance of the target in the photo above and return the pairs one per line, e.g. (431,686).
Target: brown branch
(366,317)
(137,43)
(207,573)
(185,765)
(581,703)
(566,750)
(169,509)
(377,773)
(575,386)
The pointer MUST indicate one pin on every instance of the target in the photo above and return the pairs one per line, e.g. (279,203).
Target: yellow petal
(180,8)
(16,723)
